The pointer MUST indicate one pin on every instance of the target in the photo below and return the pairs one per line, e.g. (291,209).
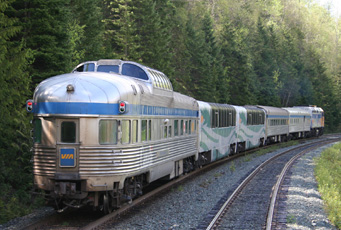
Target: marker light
(29,105)
(122,107)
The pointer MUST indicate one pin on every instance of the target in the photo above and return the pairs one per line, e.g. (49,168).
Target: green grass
(328,175)
(291,219)
(232,167)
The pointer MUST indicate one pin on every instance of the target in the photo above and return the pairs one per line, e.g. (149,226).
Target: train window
(169,84)
(107,68)
(181,127)
(134,71)
(89,67)
(107,132)
(144,130)
(149,130)
(216,119)
(68,132)
(134,135)
(249,119)
(37,131)
(190,127)
(156,80)
(159,81)
(226,115)
(186,127)
(162,83)
(176,128)
(221,116)
(164,132)
(125,128)
(151,76)
(169,131)
(261,118)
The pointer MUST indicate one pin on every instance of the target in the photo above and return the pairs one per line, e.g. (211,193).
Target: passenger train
(108,129)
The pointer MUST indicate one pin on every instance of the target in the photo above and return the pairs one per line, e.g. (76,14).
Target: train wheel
(107,207)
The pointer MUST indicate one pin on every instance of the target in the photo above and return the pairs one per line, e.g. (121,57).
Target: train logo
(67,157)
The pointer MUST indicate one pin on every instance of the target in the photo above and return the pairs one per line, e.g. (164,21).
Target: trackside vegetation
(328,175)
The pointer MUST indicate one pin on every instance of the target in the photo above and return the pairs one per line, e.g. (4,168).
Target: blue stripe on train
(107,109)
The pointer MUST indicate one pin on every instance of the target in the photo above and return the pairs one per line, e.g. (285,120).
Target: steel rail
(243,184)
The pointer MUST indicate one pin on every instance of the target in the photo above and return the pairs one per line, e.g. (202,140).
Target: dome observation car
(127,68)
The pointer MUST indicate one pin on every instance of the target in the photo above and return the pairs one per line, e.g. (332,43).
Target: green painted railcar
(227,129)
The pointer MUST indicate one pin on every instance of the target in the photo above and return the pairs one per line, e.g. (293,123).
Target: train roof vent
(109,62)
(160,80)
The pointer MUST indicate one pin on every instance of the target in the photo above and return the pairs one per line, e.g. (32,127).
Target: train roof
(252,108)
(297,111)
(274,111)
(85,87)
(311,108)
(128,68)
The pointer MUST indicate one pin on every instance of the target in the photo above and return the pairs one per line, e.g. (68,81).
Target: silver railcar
(277,123)
(99,138)
(317,119)
(299,122)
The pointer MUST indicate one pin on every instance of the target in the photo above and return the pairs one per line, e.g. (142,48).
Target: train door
(67,149)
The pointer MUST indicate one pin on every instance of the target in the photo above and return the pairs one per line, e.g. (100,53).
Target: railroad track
(249,205)
(57,221)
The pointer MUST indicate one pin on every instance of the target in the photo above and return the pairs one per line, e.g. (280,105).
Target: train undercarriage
(72,193)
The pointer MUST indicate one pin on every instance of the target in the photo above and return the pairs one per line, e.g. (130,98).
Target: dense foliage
(269,52)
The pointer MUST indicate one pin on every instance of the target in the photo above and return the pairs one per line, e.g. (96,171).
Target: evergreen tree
(180,75)
(121,37)
(46,32)
(154,47)
(237,65)
(323,96)
(15,167)
(291,68)
(215,68)
(265,66)
(200,62)
(87,19)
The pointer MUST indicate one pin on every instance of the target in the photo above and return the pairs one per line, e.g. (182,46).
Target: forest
(267,52)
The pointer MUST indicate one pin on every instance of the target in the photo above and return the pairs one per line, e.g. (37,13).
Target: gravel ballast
(304,204)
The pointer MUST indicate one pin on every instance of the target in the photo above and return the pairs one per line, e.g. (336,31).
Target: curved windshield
(134,71)
(107,68)
(88,67)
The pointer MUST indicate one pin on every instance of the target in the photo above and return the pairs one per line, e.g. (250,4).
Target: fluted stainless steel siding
(44,161)
(95,161)
(108,160)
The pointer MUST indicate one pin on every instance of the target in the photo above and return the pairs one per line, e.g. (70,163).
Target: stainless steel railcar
(277,124)
(100,137)
(299,122)
(317,119)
